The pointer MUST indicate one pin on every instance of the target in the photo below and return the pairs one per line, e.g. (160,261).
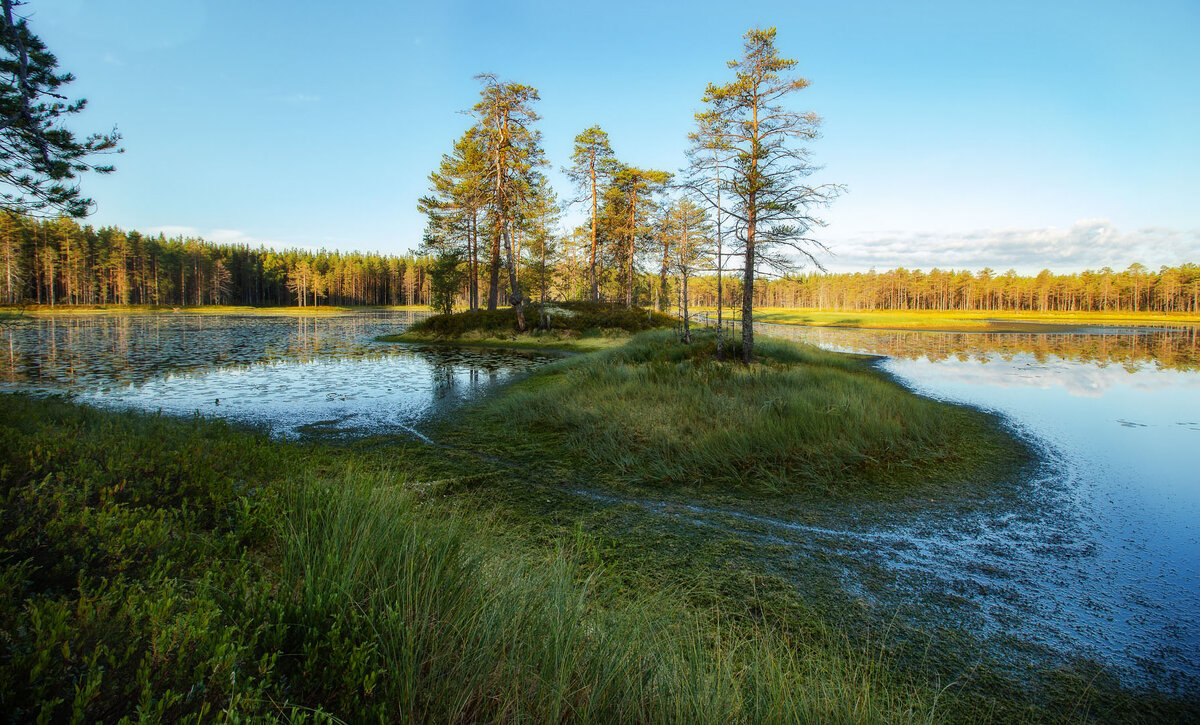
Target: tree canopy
(40,158)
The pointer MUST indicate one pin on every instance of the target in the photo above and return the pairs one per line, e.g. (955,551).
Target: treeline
(60,262)
(1134,289)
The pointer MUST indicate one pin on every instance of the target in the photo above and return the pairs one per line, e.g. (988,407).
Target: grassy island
(566,326)
(190,570)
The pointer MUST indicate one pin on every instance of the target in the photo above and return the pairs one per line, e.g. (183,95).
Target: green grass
(573,327)
(659,413)
(955,321)
(183,570)
(582,318)
(567,341)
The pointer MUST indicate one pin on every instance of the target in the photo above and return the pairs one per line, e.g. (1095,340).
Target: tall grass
(463,630)
(660,412)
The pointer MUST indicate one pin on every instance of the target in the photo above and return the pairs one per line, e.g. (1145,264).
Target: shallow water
(1099,555)
(290,374)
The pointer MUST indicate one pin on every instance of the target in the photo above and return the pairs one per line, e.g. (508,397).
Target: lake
(291,374)
(1095,553)
(1099,553)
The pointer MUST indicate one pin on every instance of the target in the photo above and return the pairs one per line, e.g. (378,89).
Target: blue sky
(1012,134)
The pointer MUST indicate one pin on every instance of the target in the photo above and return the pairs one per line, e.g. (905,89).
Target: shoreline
(642,536)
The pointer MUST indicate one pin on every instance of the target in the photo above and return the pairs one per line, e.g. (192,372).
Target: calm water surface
(1101,553)
(291,374)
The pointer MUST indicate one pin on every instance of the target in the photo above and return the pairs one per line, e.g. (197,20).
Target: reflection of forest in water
(132,349)
(291,375)
(1132,348)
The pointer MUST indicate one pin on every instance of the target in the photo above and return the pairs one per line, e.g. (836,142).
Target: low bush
(577,317)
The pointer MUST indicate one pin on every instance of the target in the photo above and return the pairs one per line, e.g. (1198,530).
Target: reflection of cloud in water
(1024,371)
(1100,553)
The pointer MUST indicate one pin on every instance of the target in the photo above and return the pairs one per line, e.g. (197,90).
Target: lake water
(293,374)
(1098,553)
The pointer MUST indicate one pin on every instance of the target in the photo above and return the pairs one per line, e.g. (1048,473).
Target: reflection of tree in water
(1170,349)
(85,351)
(442,374)
(448,363)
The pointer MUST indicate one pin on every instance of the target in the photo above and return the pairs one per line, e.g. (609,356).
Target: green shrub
(578,317)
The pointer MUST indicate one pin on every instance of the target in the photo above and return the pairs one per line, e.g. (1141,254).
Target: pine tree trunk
(494,273)
(595,282)
(748,287)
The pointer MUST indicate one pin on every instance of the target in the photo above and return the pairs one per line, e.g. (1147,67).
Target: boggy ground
(186,569)
(563,326)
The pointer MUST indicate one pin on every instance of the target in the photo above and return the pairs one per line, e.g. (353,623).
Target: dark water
(291,374)
(1100,553)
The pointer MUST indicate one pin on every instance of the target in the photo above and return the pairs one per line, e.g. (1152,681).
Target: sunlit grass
(656,411)
(573,327)
(954,321)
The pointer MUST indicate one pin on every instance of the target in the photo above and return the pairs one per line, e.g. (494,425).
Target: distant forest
(60,262)
(1136,288)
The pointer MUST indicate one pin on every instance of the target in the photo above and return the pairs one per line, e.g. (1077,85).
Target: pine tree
(690,236)
(592,165)
(40,159)
(513,148)
(636,189)
(765,167)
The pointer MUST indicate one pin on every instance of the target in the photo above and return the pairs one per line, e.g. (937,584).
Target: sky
(1058,135)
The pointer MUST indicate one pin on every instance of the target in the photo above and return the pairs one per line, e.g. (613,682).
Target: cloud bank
(1088,244)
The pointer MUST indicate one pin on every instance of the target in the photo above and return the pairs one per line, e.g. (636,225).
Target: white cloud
(298,98)
(224,236)
(1088,244)
(172,230)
